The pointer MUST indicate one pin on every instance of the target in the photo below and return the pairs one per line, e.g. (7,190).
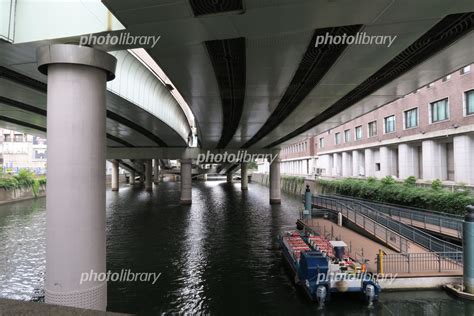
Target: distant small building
(20,151)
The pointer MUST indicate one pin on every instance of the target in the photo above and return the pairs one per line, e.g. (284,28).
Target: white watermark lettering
(122,39)
(360,38)
(387,278)
(239,157)
(125,275)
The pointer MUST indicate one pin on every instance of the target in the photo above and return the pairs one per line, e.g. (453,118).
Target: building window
(377,166)
(7,138)
(18,138)
(389,124)
(446,78)
(372,128)
(359,132)
(439,111)
(469,100)
(411,118)
(347,135)
(337,138)
(321,142)
(465,70)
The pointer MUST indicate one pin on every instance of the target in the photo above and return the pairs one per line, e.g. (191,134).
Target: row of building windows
(439,111)
(18,138)
(296,148)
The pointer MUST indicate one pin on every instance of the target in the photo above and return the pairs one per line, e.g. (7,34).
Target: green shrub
(388,180)
(24,179)
(292,184)
(410,181)
(437,185)
(371,179)
(389,191)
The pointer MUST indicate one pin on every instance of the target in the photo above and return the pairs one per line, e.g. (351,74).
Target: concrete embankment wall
(108,179)
(7,196)
(264,178)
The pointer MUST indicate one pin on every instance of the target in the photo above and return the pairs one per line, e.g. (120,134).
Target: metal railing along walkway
(434,262)
(417,236)
(371,226)
(450,225)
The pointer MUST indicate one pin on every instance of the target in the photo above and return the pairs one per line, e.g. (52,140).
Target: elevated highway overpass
(224,75)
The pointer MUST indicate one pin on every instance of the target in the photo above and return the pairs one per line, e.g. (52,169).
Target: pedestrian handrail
(371,226)
(417,217)
(420,262)
(426,240)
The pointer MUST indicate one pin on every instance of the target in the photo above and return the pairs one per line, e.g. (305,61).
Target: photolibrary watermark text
(242,156)
(125,275)
(122,39)
(360,38)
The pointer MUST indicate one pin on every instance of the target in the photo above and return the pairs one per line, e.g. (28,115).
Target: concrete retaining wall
(418,283)
(7,196)
(108,179)
(263,178)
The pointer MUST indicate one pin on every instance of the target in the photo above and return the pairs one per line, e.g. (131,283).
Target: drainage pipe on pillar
(468,248)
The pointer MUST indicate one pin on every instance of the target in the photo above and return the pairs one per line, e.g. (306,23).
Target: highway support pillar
(229,177)
(132,177)
(468,248)
(244,178)
(186,182)
(75,216)
(115,175)
(275,187)
(156,171)
(148,175)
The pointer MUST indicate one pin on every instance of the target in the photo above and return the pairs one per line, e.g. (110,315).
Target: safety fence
(395,230)
(434,262)
(448,224)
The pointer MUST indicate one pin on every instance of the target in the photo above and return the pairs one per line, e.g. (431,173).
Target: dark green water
(218,256)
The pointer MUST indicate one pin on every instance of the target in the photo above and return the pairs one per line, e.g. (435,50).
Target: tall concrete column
(346,164)
(337,159)
(369,162)
(355,163)
(156,171)
(408,161)
(115,175)
(186,181)
(229,177)
(463,146)
(388,162)
(435,160)
(148,175)
(325,162)
(244,178)
(275,187)
(132,177)
(75,217)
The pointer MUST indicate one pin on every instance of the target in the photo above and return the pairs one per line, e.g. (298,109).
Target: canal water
(218,256)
